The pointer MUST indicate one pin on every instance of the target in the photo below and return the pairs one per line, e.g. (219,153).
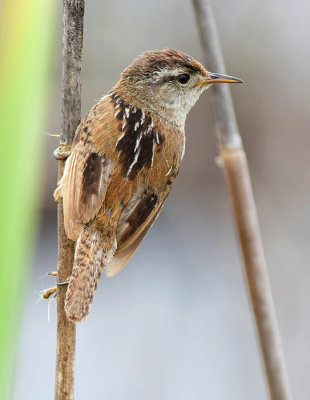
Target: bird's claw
(62,152)
(47,293)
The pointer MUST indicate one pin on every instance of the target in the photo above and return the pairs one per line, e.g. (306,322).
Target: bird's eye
(182,78)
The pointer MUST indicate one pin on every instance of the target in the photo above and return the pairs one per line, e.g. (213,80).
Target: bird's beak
(219,78)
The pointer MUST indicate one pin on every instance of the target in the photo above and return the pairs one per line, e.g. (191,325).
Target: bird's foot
(51,292)
(62,152)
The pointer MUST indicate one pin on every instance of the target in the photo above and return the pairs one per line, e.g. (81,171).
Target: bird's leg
(47,293)
(62,152)
(55,273)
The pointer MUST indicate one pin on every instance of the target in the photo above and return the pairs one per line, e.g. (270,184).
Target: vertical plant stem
(240,188)
(73,16)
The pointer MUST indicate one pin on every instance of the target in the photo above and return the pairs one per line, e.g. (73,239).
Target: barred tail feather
(89,260)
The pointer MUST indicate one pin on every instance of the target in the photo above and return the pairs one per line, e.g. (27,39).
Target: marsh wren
(125,157)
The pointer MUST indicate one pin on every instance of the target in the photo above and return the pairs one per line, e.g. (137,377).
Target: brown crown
(152,61)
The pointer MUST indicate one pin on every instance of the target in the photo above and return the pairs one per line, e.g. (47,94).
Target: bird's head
(168,82)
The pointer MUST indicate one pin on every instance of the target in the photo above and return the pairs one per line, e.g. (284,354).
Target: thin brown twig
(239,184)
(73,17)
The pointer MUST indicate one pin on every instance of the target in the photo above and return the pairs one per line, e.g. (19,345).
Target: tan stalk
(73,16)
(238,180)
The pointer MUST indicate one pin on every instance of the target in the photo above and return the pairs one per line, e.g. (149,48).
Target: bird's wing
(133,225)
(85,180)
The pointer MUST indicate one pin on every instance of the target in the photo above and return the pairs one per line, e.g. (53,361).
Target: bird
(125,156)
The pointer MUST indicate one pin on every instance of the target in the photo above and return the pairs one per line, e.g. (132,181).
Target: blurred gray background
(176,322)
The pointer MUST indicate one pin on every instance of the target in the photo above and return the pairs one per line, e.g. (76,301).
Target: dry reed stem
(240,189)
(73,16)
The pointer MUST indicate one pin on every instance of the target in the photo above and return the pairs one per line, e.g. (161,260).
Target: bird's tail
(90,257)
